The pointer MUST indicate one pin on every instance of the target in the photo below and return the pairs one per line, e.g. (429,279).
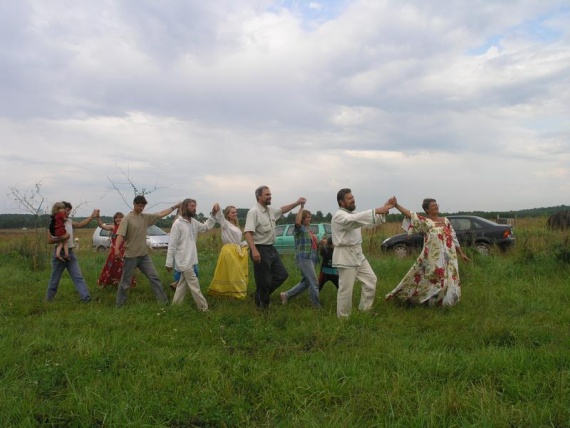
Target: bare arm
(462,254)
(170,210)
(286,208)
(255,256)
(458,248)
(103,225)
(299,216)
(55,239)
(118,241)
(85,222)
(403,210)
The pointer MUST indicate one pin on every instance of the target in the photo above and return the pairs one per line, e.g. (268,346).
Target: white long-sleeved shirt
(346,231)
(182,246)
(231,234)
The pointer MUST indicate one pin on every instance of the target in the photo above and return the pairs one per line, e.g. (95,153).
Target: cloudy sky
(467,102)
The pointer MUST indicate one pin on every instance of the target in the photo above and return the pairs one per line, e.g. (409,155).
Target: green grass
(501,358)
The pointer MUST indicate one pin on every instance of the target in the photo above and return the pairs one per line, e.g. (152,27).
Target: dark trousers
(269,274)
(324,277)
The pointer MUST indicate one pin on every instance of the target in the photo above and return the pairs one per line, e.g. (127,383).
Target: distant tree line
(19,221)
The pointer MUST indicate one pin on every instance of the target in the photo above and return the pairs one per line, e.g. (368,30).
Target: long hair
(184,207)
(226,213)
(117,215)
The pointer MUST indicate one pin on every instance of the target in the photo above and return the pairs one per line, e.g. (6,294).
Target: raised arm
(103,225)
(286,208)
(170,210)
(299,216)
(403,210)
(85,222)
(385,209)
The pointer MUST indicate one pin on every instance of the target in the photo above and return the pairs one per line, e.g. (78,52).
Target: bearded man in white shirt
(348,258)
(182,251)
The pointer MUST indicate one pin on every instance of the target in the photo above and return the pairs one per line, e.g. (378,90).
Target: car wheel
(401,250)
(483,248)
(101,248)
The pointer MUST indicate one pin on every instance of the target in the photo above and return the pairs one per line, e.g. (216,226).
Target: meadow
(500,358)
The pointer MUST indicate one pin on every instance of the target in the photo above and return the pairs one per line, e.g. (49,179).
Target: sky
(464,102)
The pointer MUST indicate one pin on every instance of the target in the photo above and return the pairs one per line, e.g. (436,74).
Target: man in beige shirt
(259,231)
(133,231)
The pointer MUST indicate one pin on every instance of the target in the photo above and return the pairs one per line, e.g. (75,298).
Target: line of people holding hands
(433,280)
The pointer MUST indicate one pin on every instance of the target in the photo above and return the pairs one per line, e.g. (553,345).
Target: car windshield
(155,231)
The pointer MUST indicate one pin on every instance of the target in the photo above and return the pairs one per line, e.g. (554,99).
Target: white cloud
(211,99)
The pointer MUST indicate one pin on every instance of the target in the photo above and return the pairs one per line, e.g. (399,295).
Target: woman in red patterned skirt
(113,267)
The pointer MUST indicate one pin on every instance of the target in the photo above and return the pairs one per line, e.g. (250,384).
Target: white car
(156,238)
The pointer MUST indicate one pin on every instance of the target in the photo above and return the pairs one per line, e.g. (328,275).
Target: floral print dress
(433,280)
(113,268)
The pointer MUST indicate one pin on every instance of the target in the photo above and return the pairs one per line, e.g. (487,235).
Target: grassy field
(501,358)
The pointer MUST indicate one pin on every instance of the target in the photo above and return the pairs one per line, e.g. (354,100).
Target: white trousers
(346,278)
(189,280)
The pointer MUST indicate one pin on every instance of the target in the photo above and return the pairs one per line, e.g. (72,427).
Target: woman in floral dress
(433,280)
(113,268)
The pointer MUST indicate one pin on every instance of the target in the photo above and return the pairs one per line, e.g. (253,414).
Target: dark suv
(470,230)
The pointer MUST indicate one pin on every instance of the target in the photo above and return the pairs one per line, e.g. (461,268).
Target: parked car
(101,239)
(470,230)
(285,239)
(156,238)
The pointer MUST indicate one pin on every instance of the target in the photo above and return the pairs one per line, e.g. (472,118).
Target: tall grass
(501,358)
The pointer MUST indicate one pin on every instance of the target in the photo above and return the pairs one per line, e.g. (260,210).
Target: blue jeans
(308,280)
(145,265)
(72,266)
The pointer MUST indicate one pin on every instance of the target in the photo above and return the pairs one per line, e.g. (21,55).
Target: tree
(119,187)
(32,201)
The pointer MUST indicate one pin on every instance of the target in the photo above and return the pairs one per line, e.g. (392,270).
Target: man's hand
(255,256)
(55,239)
(168,269)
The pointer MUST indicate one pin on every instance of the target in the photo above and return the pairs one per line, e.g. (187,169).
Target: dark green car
(285,239)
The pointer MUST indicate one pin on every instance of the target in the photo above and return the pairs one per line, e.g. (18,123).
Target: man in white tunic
(182,251)
(347,256)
